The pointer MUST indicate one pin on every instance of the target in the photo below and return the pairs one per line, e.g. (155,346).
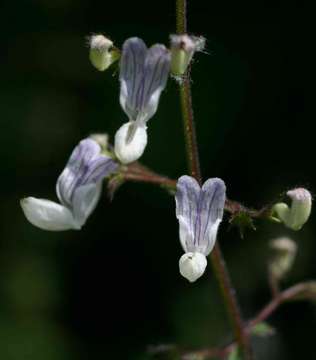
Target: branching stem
(138,173)
(289,294)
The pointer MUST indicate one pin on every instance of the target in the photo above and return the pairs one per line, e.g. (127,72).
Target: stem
(219,266)
(140,173)
(186,103)
(189,128)
(181,9)
(284,296)
(150,179)
(231,302)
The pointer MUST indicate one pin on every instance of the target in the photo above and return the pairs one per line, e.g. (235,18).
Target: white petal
(151,105)
(192,265)
(186,234)
(85,200)
(47,215)
(129,148)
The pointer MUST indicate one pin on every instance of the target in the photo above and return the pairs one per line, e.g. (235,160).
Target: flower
(143,75)
(199,211)
(297,215)
(102,52)
(78,189)
(183,48)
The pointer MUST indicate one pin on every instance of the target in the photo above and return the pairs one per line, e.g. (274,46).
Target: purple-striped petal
(187,196)
(85,166)
(85,200)
(156,73)
(211,210)
(131,74)
(199,212)
(143,75)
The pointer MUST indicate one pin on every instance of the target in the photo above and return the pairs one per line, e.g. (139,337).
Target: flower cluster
(143,75)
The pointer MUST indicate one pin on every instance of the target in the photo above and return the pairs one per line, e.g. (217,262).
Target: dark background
(112,289)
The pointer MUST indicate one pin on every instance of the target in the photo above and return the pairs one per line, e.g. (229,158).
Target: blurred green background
(112,289)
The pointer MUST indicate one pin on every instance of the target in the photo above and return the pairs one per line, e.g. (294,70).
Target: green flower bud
(102,52)
(182,49)
(297,215)
(284,252)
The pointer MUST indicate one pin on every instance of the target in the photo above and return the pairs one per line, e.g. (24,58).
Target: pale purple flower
(78,189)
(143,75)
(199,211)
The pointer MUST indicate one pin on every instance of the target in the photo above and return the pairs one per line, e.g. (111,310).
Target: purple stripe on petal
(98,169)
(187,196)
(131,72)
(75,169)
(143,75)
(213,195)
(157,66)
(85,166)
(199,212)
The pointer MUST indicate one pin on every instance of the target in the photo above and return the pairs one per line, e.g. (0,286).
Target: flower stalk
(222,275)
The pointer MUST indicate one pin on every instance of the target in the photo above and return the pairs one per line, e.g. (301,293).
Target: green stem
(222,275)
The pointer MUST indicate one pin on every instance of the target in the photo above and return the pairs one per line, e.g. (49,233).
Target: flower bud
(183,48)
(102,52)
(297,215)
(192,265)
(284,252)
(130,142)
(101,139)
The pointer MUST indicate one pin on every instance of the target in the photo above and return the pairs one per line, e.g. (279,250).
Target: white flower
(78,189)
(199,211)
(143,75)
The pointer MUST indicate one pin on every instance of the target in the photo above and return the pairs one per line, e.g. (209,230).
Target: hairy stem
(186,103)
(218,262)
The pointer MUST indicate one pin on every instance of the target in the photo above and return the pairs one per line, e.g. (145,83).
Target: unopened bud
(284,252)
(297,215)
(102,52)
(101,139)
(183,48)
(192,265)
